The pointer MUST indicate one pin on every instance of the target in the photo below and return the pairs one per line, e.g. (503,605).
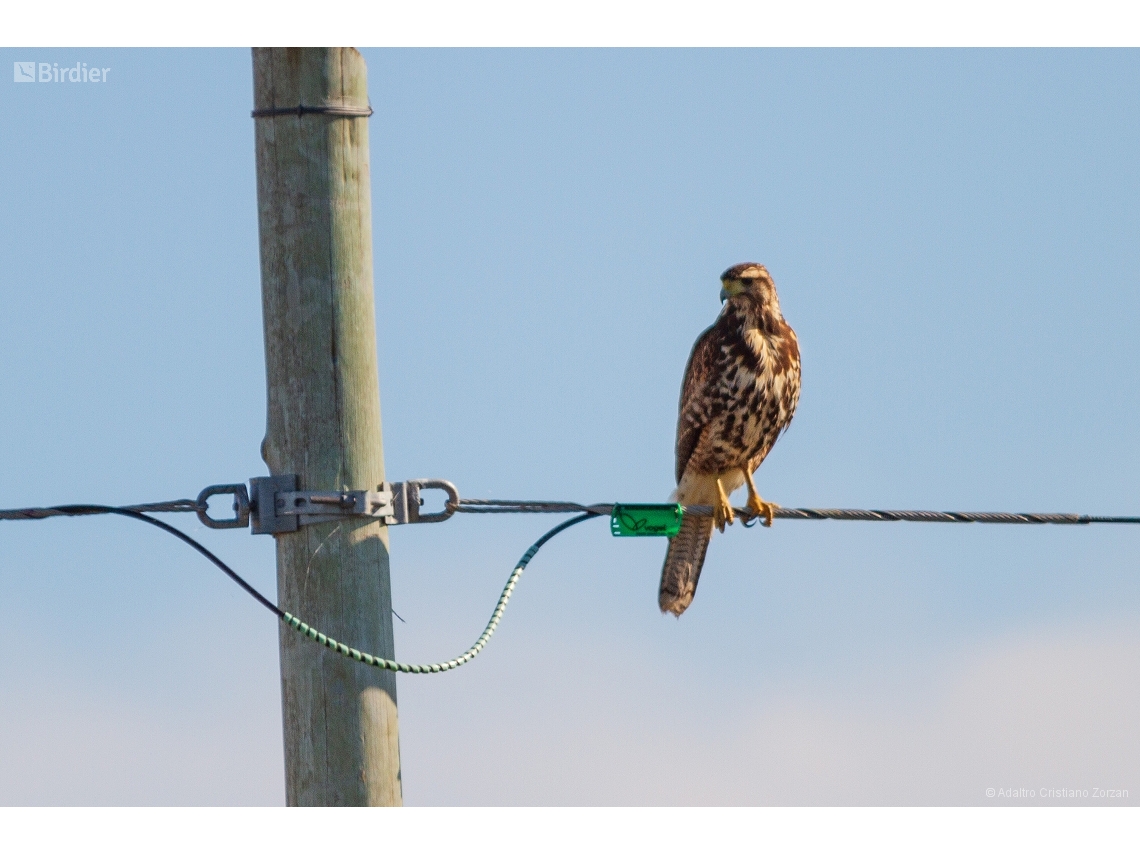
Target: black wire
(558,529)
(87,510)
(91,510)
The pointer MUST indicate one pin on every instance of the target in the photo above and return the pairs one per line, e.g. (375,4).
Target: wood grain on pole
(315,220)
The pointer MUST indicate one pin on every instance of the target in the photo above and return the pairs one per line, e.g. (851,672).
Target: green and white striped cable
(436,667)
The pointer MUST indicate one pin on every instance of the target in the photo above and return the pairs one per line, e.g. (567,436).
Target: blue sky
(953,236)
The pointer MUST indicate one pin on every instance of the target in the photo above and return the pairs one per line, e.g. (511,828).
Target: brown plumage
(740,391)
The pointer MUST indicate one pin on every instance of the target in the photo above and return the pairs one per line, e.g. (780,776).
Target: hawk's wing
(696,409)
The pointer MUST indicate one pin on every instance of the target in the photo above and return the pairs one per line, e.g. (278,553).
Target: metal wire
(512,506)
(175,507)
(132,512)
(948,516)
(337,111)
(517,506)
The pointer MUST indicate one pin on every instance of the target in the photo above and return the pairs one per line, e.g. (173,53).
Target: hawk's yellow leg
(722,511)
(755,504)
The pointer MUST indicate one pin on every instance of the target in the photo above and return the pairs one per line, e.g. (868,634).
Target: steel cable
(506,506)
(512,506)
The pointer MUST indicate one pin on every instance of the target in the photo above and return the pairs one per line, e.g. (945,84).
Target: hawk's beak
(730,288)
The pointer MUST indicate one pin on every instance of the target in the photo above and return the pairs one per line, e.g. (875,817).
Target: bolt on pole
(315,225)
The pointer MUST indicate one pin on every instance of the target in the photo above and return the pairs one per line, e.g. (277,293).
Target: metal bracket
(311,506)
(274,505)
(263,502)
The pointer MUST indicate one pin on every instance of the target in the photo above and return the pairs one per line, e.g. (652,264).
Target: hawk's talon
(758,506)
(722,510)
(767,510)
(770,515)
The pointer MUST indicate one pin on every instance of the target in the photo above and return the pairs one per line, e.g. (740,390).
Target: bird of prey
(741,387)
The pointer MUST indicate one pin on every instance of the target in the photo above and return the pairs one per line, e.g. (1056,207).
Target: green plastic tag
(646,520)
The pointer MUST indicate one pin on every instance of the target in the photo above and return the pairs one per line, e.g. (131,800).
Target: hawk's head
(752,282)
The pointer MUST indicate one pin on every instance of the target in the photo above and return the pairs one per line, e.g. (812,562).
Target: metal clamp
(317,507)
(241,506)
(275,505)
(263,504)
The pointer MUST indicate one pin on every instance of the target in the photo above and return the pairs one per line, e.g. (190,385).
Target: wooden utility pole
(315,222)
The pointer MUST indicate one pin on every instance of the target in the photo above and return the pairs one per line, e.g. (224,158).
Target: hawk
(741,387)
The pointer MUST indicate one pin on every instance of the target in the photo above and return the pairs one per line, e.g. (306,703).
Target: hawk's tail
(683,563)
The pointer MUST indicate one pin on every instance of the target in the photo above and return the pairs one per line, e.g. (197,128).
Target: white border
(572,830)
(558,23)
